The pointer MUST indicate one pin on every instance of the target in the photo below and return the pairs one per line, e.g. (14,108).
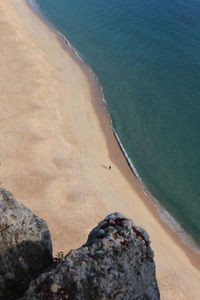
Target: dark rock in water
(25,246)
(115,263)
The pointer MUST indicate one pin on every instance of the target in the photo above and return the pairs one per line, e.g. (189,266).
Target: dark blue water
(146,55)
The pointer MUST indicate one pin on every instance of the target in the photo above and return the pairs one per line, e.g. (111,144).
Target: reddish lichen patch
(121,234)
(118,233)
(44,289)
(113,222)
(66,293)
(44,286)
(90,255)
(126,242)
(139,234)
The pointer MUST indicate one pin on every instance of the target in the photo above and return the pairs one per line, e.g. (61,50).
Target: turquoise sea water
(146,55)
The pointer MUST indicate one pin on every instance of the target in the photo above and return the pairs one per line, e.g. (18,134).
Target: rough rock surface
(25,246)
(115,263)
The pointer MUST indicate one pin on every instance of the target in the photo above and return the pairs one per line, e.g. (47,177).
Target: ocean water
(146,55)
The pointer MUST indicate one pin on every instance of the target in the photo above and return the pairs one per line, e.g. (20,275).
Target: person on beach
(106,167)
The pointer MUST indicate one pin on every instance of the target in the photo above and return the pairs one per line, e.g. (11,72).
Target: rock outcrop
(115,263)
(25,246)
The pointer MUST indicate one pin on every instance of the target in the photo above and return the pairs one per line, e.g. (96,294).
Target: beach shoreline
(105,121)
(117,159)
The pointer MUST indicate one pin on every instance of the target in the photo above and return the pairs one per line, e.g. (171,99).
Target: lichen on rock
(115,263)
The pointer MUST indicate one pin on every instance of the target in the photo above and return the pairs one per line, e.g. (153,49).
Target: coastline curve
(168,219)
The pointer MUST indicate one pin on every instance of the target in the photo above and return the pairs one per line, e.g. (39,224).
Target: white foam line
(70,46)
(34,5)
(163,213)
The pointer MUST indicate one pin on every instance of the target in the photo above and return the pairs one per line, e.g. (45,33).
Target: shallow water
(146,55)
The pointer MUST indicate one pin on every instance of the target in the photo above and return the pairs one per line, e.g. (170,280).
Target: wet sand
(55,136)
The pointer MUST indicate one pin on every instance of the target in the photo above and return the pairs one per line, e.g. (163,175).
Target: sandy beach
(55,140)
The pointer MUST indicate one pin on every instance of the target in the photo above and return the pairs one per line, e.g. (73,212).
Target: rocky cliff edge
(116,262)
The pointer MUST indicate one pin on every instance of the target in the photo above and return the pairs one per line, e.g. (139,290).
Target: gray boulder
(115,263)
(25,246)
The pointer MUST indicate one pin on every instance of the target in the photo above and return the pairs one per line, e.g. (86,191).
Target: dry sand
(54,138)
